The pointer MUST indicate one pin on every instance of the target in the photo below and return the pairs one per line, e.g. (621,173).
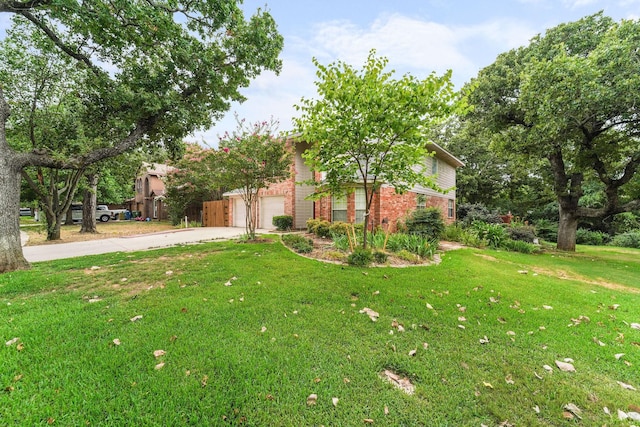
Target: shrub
(547,230)
(339,228)
(495,234)
(311,225)
(336,256)
(524,233)
(630,239)
(425,222)
(470,212)
(519,246)
(624,222)
(283,222)
(319,227)
(453,232)
(380,257)
(589,237)
(341,242)
(360,257)
(298,243)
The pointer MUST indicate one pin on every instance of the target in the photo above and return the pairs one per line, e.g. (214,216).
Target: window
(421,201)
(450,209)
(339,207)
(434,166)
(361,205)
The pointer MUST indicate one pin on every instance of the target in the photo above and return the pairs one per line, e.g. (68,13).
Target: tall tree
(571,97)
(155,71)
(250,159)
(192,181)
(370,129)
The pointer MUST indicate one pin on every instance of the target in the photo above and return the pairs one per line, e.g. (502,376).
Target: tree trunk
(567,228)
(11,257)
(89,205)
(53,228)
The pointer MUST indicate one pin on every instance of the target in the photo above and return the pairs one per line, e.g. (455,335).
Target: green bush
(630,239)
(589,237)
(339,228)
(519,246)
(311,225)
(298,243)
(283,222)
(340,242)
(524,233)
(624,222)
(495,234)
(547,230)
(425,222)
(360,257)
(453,232)
(470,212)
(319,227)
(380,257)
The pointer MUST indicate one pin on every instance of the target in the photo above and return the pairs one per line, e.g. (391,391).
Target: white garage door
(270,207)
(239,213)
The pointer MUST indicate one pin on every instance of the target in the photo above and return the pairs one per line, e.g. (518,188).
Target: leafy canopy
(367,125)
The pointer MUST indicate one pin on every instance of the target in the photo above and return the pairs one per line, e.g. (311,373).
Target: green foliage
(470,212)
(339,228)
(569,96)
(283,222)
(298,243)
(249,159)
(311,225)
(524,233)
(519,246)
(453,232)
(405,255)
(624,222)
(368,126)
(495,234)
(590,237)
(380,257)
(630,239)
(360,257)
(547,230)
(427,223)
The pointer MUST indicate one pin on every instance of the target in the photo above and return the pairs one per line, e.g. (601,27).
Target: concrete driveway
(132,243)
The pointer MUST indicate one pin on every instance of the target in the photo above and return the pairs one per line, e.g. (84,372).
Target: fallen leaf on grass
(618,356)
(572,408)
(547,307)
(548,368)
(368,421)
(565,367)
(626,386)
(203,383)
(386,410)
(17,378)
(263,329)
(20,347)
(462,319)
(536,409)
(335,401)
(509,379)
(159,366)
(600,343)
(487,385)
(228,282)
(12,341)
(413,352)
(429,306)
(403,383)
(484,340)
(511,333)
(159,353)
(93,300)
(622,415)
(116,341)
(373,315)
(136,318)
(168,272)
(635,416)
(312,399)
(635,326)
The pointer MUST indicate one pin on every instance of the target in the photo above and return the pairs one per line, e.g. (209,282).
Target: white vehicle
(103,214)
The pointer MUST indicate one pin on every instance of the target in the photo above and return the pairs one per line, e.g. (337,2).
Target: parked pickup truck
(103,213)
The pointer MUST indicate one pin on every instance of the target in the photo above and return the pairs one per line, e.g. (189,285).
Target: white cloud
(574,4)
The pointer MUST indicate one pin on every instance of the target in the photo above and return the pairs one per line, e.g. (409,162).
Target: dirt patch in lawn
(562,274)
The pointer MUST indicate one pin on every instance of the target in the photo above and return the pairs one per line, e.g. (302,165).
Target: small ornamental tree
(250,159)
(370,129)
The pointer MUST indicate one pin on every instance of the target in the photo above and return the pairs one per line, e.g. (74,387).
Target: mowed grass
(287,327)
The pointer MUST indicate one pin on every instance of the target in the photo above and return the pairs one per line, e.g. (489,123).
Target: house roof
(157,169)
(432,146)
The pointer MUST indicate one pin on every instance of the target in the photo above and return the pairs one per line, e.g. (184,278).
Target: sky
(417,36)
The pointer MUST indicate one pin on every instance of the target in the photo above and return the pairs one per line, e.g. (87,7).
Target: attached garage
(239,212)
(269,207)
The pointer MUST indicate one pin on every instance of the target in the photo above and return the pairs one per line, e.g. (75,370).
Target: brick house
(288,197)
(150,192)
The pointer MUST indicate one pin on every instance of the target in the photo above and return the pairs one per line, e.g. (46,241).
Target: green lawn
(287,327)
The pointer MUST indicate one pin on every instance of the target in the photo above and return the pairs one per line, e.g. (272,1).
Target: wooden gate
(215,214)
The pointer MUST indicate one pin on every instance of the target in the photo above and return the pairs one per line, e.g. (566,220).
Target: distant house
(150,192)
(289,197)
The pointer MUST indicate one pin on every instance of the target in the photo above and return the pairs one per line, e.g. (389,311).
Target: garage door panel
(239,213)
(270,207)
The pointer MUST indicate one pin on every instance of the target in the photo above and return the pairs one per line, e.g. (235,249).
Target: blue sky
(417,36)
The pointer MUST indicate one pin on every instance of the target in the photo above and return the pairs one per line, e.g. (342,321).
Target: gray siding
(303,208)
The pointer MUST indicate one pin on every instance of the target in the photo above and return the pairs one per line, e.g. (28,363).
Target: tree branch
(17,6)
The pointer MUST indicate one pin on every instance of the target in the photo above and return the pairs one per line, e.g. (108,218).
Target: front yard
(252,334)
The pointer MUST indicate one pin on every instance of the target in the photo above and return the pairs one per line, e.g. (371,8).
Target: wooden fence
(215,214)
